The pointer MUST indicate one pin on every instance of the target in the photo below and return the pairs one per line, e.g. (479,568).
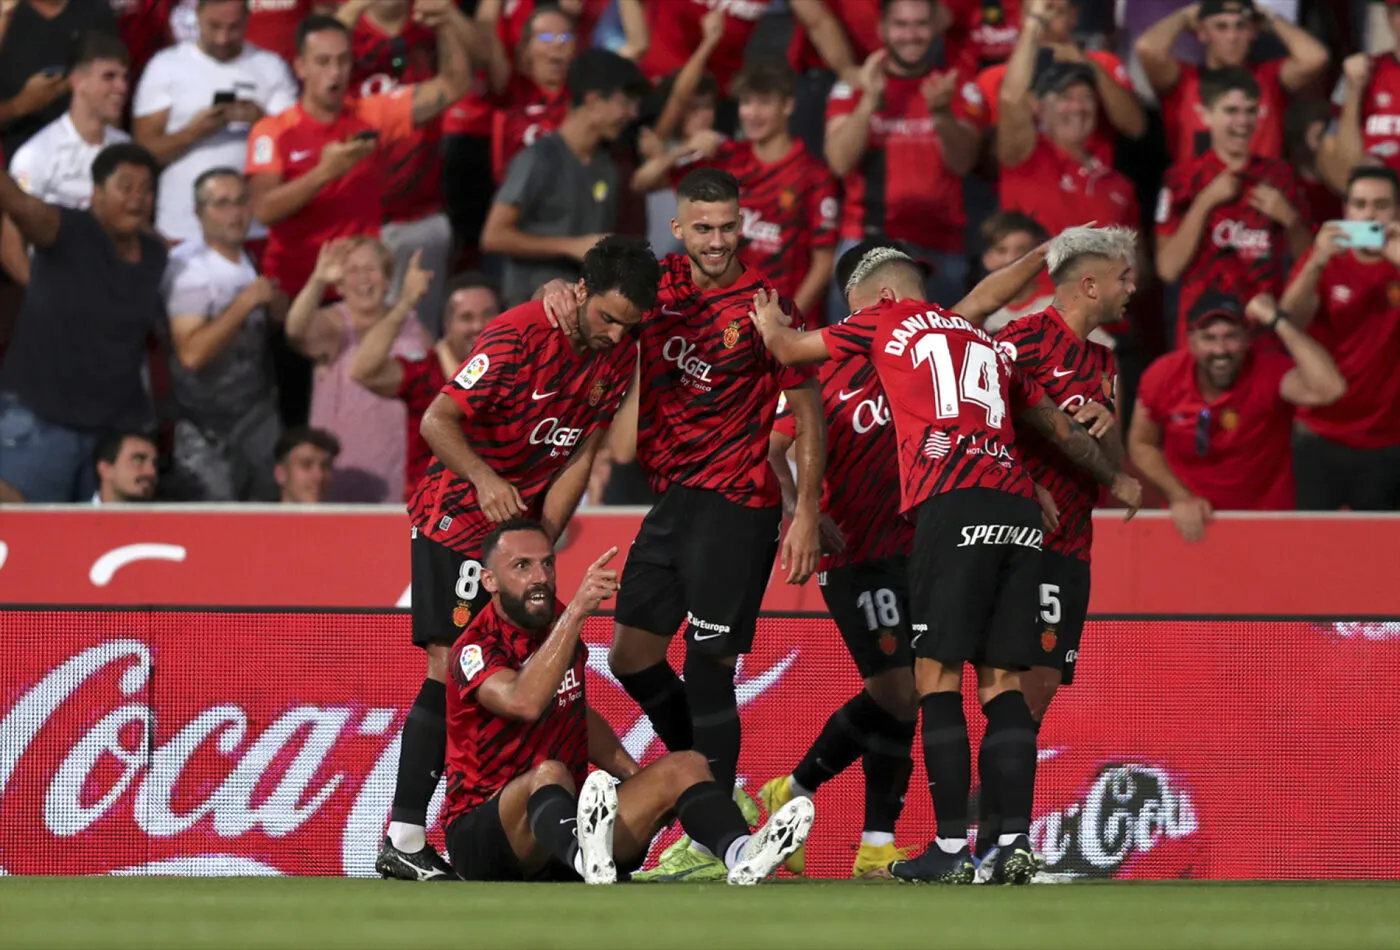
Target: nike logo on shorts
(705,636)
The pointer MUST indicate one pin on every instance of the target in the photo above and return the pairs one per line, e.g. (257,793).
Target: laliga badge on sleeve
(262,150)
(475,369)
(471,661)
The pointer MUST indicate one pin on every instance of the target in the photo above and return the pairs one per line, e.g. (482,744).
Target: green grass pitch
(311,913)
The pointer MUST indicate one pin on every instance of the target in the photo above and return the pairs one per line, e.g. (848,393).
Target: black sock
(421,753)
(553,814)
(1008,748)
(988,810)
(710,816)
(714,712)
(840,743)
(661,694)
(948,759)
(887,764)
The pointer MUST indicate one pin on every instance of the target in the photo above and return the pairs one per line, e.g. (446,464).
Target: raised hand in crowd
(416,282)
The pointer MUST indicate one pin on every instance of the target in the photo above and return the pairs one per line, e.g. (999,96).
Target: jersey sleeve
(265,148)
(843,100)
(824,209)
(1025,391)
(1172,202)
(391,113)
(153,91)
(785,423)
(1018,341)
(475,660)
(487,380)
(853,336)
(187,292)
(979,97)
(1114,67)
(27,169)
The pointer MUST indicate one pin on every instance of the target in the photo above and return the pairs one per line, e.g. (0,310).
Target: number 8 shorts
(446,591)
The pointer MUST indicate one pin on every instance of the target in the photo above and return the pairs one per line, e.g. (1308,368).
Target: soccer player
(974,567)
(513,433)
(1092,269)
(521,737)
(708,396)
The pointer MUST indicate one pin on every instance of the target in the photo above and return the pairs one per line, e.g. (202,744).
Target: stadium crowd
(246,242)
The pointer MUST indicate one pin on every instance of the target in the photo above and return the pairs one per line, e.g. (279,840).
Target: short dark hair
(765,75)
(110,445)
(886,4)
(470,280)
(222,171)
(705,87)
(122,153)
(708,184)
(93,45)
(625,264)
(1003,223)
(1374,173)
(604,74)
(317,23)
(494,536)
(304,435)
(1216,83)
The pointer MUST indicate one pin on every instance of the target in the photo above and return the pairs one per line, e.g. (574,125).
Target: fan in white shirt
(55,165)
(196,103)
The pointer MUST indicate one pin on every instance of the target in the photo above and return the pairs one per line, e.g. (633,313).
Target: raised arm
(635,32)
(1307,58)
(1016,126)
(1176,250)
(827,35)
(688,79)
(1154,48)
(36,221)
(1344,150)
(848,135)
(453,80)
(1314,379)
(371,364)
(999,288)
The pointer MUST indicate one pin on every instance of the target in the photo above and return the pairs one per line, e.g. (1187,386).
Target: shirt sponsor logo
(1249,243)
(767,235)
(712,630)
(1383,126)
(1001,534)
(570,688)
(680,351)
(550,432)
(870,413)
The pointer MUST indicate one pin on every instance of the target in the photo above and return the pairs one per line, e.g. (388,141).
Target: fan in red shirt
(472,302)
(531,101)
(1214,421)
(1348,297)
(787,196)
(513,434)
(975,566)
(1118,109)
(981,33)
(1044,143)
(859,20)
(316,171)
(1230,217)
(900,141)
(521,736)
(1369,97)
(272,24)
(1226,28)
(145,29)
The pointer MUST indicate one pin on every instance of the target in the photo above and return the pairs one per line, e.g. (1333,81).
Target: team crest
(1392,293)
(991,14)
(461,614)
(1106,385)
(888,642)
(595,395)
(731,335)
(1048,639)
(1229,419)
(787,199)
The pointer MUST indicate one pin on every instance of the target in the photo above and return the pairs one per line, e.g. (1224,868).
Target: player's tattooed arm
(1082,449)
(453,80)
(1103,426)
(998,289)
(605,750)
(788,346)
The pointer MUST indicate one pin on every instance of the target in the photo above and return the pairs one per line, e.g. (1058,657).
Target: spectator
(786,195)
(1369,96)
(1227,29)
(472,302)
(528,85)
(1213,421)
(901,142)
(1008,236)
(391,50)
(35,58)
(1304,130)
(371,430)
(144,27)
(55,165)
(310,177)
(1119,110)
(1229,217)
(1347,454)
(560,195)
(222,391)
(196,104)
(74,368)
(126,469)
(272,24)
(979,35)
(304,469)
(1044,143)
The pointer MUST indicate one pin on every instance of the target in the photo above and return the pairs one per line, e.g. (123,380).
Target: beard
(530,616)
(704,266)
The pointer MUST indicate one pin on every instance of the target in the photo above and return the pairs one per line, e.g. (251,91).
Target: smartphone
(368,135)
(1366,235)
(225,98)
(52,72)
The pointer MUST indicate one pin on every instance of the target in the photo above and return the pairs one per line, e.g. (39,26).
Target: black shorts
(1064,604)
(446,591)
(870,603)
(701,558)
(479,850)
(974,576)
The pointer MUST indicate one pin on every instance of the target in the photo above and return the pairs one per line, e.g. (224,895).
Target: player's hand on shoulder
(599,583)
(1097,418)
(1191,515)
(767,313)
(498,498)
(1129,491)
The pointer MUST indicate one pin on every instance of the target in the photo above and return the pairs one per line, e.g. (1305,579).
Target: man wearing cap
(1213,424)
(1226,28)
(1369,95)
(1053,174)
(1119,109)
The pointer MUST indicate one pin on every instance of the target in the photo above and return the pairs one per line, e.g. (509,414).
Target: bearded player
(975,563)
(520,802)
(513,434)
(708,396)
(1092,270)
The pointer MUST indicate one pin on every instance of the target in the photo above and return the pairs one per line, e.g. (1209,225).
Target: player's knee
(992,682)
(632,650)
(893,691)
(930,677)
(1039,686)
(551,772)
(438,654)
(687,768)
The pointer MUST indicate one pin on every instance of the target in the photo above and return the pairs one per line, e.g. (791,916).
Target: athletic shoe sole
(784,833)
(597,812)
(393,864)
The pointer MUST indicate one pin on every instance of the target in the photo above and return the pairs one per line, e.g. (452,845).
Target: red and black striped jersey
(486,751)
(1072,372)
(789,209)
(530,401)
(952,395)
(526,112)
(422,380)
(412,168)
(861,488)
(709,389)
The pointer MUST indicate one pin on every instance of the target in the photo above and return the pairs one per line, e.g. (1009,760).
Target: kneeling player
(520,738)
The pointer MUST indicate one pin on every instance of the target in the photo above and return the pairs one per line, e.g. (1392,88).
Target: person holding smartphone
(1346,293)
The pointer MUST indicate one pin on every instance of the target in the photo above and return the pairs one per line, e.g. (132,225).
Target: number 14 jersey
(952,395)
